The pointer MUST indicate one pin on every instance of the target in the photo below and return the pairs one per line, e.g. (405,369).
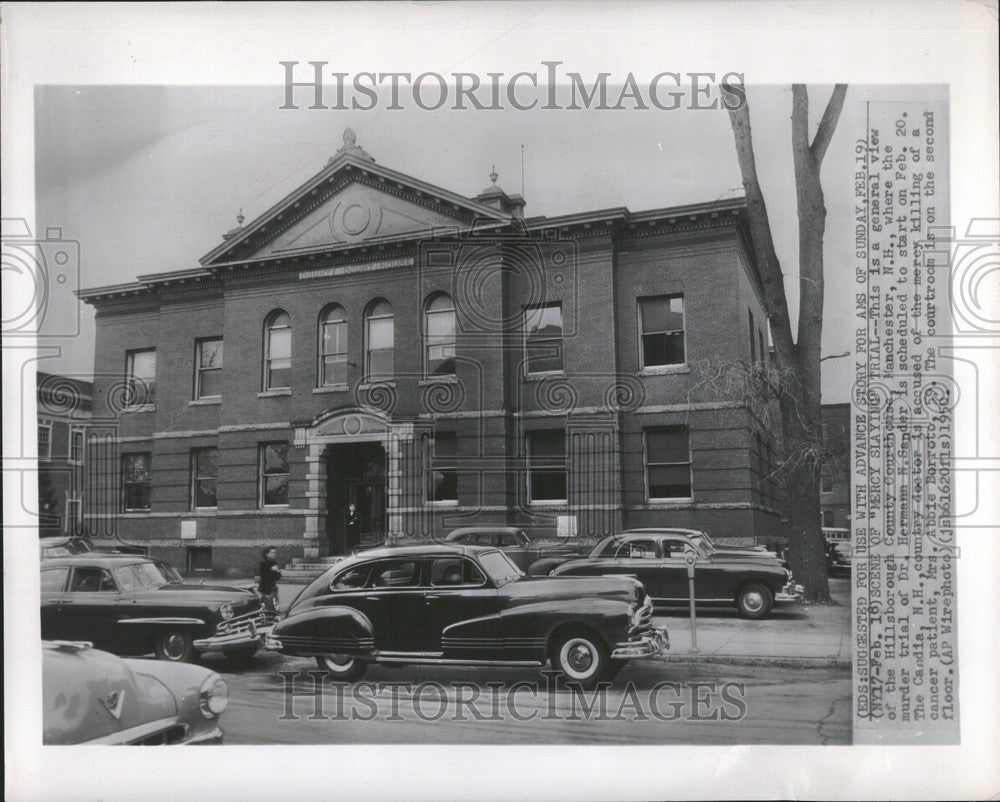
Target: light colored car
(94,697)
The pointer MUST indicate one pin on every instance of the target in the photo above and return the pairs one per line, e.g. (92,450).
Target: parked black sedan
(751,580)
(134,605)
(465,605)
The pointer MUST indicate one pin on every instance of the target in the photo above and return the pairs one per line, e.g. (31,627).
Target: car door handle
(372,598)
(65,601)
(432,597)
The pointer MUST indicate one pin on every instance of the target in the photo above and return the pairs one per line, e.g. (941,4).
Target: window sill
(664,370)
(669,502)
(374,383)
(548,374)
(432,380)
(330,388)
(206,402)
(284,391)
(441,503)
(143,408)
(136,512)
(556,503)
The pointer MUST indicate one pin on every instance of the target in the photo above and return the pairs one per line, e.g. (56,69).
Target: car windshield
(146,575)
(499,567)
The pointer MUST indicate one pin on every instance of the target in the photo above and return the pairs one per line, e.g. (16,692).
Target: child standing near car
(269,576)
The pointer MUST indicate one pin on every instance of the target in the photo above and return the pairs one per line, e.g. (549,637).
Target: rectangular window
(826,479)
(543,340)
(546,465)
(136,481)
(76,446)
(753,339)
(204,473)
(772,480)
(208,368)
(661,328)
(140,376)
(827,518)
(45,441)
(762,349)
(668,463)
(273,474)
(443,481)
(199,559)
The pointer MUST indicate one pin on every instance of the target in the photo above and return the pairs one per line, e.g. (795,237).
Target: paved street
(782,680)
(783,705)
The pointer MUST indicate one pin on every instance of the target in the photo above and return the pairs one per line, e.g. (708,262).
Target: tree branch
(828,124)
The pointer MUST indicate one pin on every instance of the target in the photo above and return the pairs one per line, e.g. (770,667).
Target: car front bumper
(790,594)
(649,645)
(237,633)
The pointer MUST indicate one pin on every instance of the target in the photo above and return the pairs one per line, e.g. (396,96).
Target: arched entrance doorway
(356,510)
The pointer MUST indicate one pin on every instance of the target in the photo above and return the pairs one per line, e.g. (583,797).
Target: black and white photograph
(500,400)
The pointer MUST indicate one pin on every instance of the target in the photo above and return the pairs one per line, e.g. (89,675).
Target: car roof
(421,550)
(100,559)
(661,530)
(470,530)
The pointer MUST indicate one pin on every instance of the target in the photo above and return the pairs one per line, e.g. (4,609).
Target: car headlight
(226,610)
(213,696)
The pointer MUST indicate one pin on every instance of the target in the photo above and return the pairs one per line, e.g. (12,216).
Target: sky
(147,178)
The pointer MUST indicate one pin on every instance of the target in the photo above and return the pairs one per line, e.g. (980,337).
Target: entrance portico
(366,450)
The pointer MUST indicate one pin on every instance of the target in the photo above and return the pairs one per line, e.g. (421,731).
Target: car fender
(324,630)
(545,565)
(609,617)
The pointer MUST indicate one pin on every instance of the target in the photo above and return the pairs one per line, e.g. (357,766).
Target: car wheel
(754,601)
(176,646)
(581,659)
(342,667)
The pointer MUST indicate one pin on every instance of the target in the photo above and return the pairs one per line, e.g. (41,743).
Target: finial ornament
(493,174)
(240,218)
(350,138)
(350,148)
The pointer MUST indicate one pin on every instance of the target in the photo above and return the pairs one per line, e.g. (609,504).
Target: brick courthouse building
(437,361)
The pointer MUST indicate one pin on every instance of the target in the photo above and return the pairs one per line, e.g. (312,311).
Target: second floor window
(136,481)
(543,338)
(76,446)
(44,441)
(661,330)
(668,463)
(826,479)
(380,332)
(443,482)
(140,374)
(278,351)
(333,346)
(439,337)
(208,378)
(273,474)
(204,473)
(546,465)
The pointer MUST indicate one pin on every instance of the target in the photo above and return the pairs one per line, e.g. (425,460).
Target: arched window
(439,336)
(277,350)
(333,346)
(379,336)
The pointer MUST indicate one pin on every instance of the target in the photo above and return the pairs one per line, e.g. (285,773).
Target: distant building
(436,361)
(835,472)
(64,409)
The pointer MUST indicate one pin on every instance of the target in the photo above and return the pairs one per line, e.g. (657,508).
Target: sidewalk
(807,635)
(795,635)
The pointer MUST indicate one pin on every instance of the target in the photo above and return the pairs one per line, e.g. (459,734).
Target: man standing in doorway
(353,528)
(269,576)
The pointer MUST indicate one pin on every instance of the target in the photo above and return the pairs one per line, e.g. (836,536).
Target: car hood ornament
(113,703)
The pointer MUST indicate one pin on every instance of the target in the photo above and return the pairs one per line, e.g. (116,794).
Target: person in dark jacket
(353,526)
(269,576)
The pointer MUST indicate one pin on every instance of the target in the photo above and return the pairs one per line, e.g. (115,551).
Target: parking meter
(691,558)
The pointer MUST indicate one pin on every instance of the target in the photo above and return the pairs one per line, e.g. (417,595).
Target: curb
(757,660)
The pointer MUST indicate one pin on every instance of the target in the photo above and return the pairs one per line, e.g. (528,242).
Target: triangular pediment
(351,203)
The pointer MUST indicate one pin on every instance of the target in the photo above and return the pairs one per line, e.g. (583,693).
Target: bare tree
(798,360)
